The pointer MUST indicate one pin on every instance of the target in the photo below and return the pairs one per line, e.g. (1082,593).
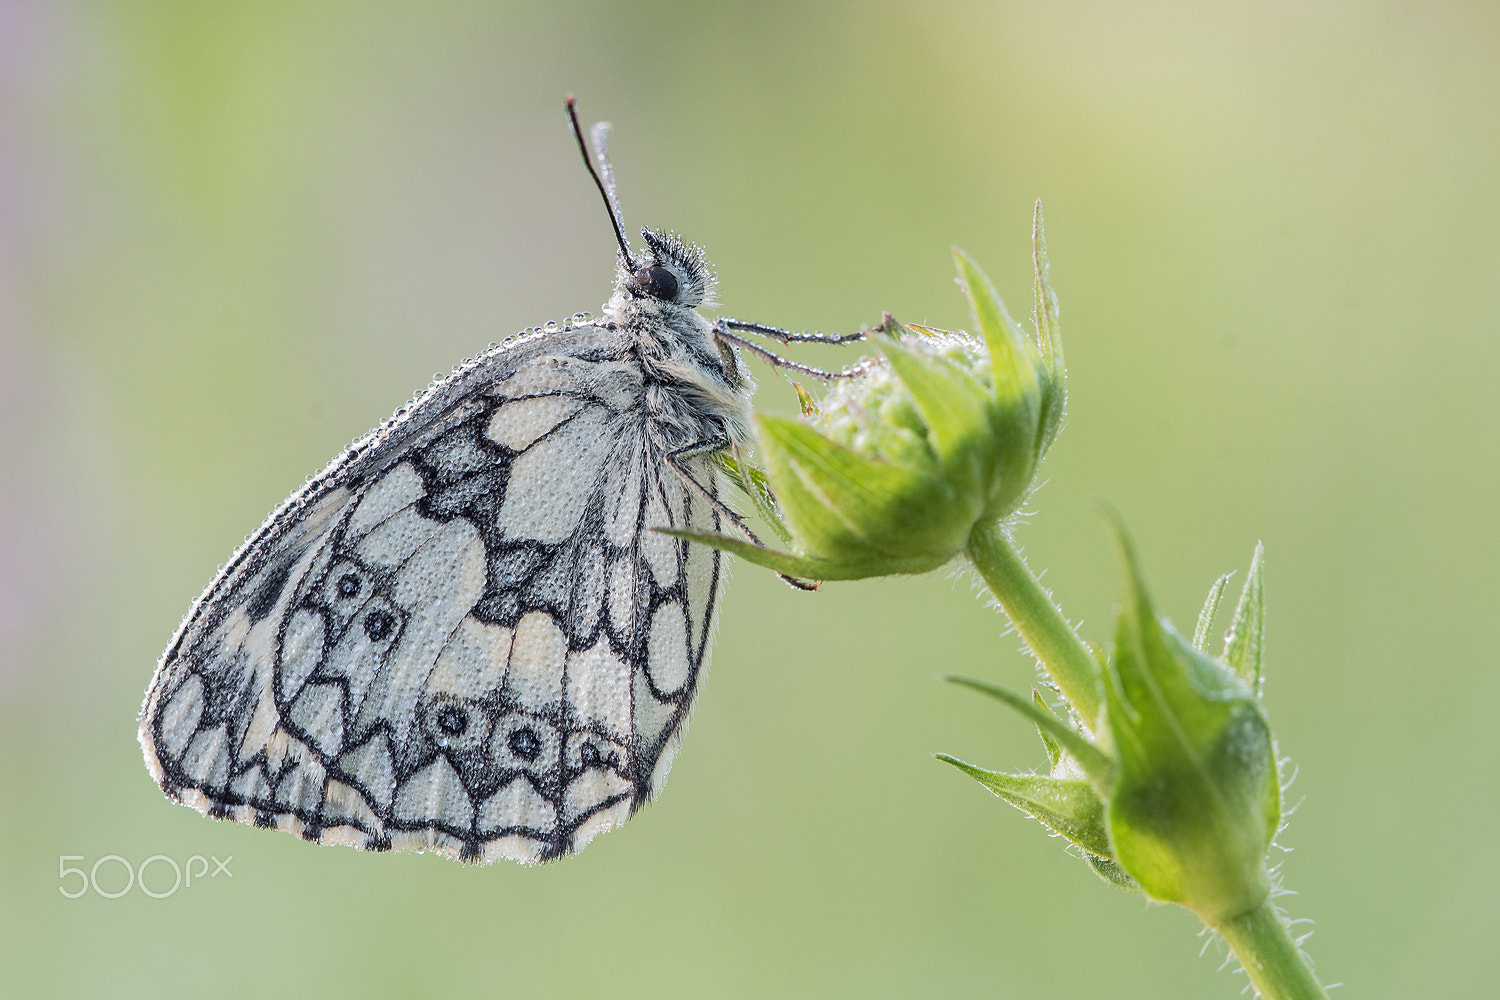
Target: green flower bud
(1177,795)
(900,462)
(1196,800)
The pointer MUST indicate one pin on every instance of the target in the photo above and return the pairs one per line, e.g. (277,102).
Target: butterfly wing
(461,636)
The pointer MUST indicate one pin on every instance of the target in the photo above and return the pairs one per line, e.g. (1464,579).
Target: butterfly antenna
(606,184)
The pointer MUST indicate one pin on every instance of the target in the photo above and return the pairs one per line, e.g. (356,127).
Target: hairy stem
(1063,654)
(1263,943)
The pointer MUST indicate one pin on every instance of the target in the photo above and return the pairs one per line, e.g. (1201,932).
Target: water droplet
(550,326)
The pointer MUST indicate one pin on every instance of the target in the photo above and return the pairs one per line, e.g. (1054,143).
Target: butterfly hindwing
(462,636)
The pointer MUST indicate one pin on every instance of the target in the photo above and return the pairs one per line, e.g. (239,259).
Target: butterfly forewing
(462,636)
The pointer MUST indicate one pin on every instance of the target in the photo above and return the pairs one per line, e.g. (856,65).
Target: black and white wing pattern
(461,636)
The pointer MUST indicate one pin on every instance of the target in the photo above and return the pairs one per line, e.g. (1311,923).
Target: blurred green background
(235,235)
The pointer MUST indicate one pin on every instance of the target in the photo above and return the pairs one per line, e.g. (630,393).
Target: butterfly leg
(675,460)
(791,336)
(721,333)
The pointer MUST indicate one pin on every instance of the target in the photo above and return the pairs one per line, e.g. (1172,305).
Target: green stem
(1066,659)
(1263,943)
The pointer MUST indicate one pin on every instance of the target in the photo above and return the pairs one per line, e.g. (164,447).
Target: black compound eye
(657,282)
(524,744)
(348,585)
(378,624)
(452,720)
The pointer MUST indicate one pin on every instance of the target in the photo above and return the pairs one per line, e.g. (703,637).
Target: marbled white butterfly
(463,636)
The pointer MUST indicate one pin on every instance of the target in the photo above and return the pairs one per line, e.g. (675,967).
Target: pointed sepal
(1054,752)
(1110,871)
(1245,644)
(1091,760)
(754,484)
(805,403)
(1069,808)
(1210,611)
(1046,316)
